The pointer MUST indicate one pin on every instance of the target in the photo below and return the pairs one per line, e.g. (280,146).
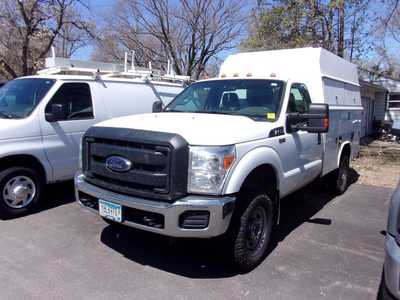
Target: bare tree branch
(188,32)
(31,27)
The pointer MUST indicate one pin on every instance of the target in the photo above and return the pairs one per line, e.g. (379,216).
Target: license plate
(110,210)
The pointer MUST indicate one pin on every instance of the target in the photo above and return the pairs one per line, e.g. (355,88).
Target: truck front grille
(153,172)
(149,172)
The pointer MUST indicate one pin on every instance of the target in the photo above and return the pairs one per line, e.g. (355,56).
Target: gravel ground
(378,164)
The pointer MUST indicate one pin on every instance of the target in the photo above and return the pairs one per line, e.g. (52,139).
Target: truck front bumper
(219,210)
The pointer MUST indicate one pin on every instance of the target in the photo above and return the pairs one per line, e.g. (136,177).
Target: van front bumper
(219,210)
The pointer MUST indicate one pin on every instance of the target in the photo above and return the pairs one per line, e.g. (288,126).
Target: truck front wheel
(251,230)
(20,191)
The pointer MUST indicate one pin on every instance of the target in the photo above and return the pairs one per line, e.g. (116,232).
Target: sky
(98,8)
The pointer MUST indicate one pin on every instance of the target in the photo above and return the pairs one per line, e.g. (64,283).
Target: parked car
(218,159)
(43,118)
(390,288)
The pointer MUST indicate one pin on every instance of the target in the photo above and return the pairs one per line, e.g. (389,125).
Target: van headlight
(208,167)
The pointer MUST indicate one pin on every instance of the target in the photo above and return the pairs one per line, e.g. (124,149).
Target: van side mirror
(56,113)
(316,120)
(158,106)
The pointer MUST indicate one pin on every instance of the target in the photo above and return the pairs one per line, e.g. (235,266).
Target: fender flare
(250,161)
(341,150)
(21,158)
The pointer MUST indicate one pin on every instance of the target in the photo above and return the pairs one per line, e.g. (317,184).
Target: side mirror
(316,120)
(56,113)
(158,106)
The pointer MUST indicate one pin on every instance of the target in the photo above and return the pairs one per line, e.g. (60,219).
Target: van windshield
(255,98)
(18,98)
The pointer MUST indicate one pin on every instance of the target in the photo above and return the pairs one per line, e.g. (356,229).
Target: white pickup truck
(218,159)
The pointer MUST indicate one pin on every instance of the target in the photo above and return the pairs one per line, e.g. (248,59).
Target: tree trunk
(25,47)
(340,47)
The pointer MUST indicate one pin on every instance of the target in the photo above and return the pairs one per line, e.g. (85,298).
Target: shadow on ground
(204,258)
(58,194)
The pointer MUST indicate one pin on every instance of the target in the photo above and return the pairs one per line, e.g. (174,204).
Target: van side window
(75,99)
(299,99)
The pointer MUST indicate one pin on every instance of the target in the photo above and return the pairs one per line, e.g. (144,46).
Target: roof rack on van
(65,66)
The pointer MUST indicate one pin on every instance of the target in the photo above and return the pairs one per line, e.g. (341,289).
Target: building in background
(380,98)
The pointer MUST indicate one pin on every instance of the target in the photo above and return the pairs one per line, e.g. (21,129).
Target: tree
(336,25)
(190,33)
(385,59)
(31,27)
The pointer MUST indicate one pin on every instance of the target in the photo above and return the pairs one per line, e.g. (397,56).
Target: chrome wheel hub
(19,192)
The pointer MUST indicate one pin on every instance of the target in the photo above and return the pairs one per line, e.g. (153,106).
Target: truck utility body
(43,118)
(218,159)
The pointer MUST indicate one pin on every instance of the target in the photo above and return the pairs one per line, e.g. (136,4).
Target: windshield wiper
(172,110)
(213,112)
(6,115)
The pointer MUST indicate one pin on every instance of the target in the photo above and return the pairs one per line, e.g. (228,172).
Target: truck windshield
(18,98)
(256,98)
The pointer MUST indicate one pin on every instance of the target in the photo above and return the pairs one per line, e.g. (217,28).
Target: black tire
(9,210)
(383,293)
(339,179)
(250,231)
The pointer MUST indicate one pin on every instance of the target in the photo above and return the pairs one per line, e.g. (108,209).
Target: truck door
(61,138)
(303,150)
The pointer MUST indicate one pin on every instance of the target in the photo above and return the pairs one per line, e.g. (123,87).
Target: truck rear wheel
(20,191)
(340,178)
(250,231)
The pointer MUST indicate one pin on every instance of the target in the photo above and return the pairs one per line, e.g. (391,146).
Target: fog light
(193,219)
(88,200)
(227,209)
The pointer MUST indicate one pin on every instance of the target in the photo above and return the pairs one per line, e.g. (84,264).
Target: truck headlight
(208,167)
(80,154)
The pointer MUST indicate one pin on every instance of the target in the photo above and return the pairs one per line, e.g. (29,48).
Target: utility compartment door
(345,120)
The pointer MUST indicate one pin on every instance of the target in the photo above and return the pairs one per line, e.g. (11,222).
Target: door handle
(282,140)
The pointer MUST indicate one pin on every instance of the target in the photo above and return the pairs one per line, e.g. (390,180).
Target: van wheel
(340,178)
(250,231)
(20,191)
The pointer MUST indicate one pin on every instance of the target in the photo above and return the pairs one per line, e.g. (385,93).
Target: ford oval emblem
(118,164)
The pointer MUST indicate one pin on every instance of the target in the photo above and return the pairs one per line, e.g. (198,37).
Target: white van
(218,159)
(43,117)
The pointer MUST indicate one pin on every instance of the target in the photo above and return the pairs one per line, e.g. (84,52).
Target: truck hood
(18,128)
(196,128)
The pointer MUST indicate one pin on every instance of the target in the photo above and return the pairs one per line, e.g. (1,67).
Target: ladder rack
(101,70)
